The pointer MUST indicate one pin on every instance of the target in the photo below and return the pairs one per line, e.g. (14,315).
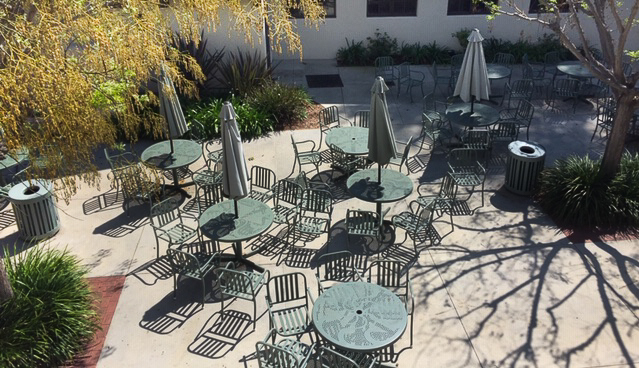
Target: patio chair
(306,156)
(314,215)
(289,305)
(435,133)
(440,78)
(479,138)
(192,265)
(385,68)
(467,170)
(241,284)
(262,181)
(605,119)
(434,108)
(564,89)
(286,353)
(344,162)
(286,199)
(409,78)
(332,358)
(329,118)
(207,195)
(456,62)
(168,224)
(208,175)
(117,161)
(444,201)
(551,59)
(521,114)
(416,223)
(505,131)
(537,76)
(506,60)
(521,89)
(305,183)
(334,268)
(363,224)
(139,183)
(361,118)
(393,275)
(402,157)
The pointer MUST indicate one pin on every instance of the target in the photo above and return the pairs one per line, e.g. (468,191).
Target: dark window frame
(298,14)
(467,7)
(535,8)
(391,8)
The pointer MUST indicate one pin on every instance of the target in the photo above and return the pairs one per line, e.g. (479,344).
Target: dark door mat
(324,80)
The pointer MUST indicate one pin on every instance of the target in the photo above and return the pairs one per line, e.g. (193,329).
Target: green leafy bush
(462,37)
(434,52)
(51,316)
(243,72)
(251,121)
(573,195)
(381,44)
(286,103)
(354,54)
(209,63)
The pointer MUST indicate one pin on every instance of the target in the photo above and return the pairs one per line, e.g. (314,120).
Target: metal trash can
(525,162)
(34,209)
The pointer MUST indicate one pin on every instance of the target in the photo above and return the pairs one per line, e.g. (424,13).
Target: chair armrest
(420,74)
(269,335)
(211,260)
(423,185)
(312,352)
(310,295)
(504,112)
(306,142)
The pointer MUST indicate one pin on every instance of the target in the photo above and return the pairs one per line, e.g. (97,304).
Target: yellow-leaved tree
(71,70)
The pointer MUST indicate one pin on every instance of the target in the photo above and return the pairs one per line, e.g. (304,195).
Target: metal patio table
(496,71)
(185,153)
(574,69)
(359,316)
(483,115)
(12,159)
(394,186)
(352,140)
(218,222)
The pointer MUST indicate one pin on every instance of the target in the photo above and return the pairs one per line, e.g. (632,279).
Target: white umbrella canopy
(381,138)
(170,108)
(235,176)
(473,83)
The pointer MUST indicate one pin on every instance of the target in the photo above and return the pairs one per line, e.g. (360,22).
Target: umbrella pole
(379,173)
(171,141)
(472,104)
(236,212)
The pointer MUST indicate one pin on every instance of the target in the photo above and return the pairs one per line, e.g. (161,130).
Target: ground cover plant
(285,103)
(574,195)
(50,316)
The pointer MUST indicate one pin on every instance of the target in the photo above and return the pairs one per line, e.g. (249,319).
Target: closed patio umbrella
(170,108)
(381,139)
(473,83)
(235,176)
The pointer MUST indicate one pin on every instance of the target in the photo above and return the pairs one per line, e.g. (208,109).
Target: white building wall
(431,24)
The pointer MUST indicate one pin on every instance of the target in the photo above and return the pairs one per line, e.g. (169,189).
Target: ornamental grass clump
(574,196)
(51,315)
(286,103)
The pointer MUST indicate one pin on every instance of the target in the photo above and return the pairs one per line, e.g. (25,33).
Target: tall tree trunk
(6,292)
(617,137)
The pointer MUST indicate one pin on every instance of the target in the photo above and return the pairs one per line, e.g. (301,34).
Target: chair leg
(254,313)
(203,291)
(222,307)
(174,286)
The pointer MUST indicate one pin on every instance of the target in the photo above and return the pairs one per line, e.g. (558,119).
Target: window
(391,8)
(467,7)
(329,8)
(535,7)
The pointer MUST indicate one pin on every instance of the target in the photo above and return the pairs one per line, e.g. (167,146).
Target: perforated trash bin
(525,162)
(34,209)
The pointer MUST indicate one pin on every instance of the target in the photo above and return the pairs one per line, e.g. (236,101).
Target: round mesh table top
(393,187)
(185,153)
(482,115)
(574,69)
(496,71)
(352,140)
(218,222)
(359,316)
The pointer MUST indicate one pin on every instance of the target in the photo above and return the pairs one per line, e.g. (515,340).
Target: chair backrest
(525,111)
(165,212)
(138,182)
(404,70)
(338,155)
(336,266)
(207,195)
(528,72)
(523,87)
(329,117)
(361,118)
(406,152)
(384,67)
(505,131)
(360,222)
(387,273)
(262,177)
(329,358)
(428,127)
(317,201)
(460,159)
(197,132)
(286,288)
(234,282)
(448,189)
(456,61)
(478,138)
(118,160)
(273,356)
(502,58)
(551,59)
(565,87)
(183,262)
(287,192)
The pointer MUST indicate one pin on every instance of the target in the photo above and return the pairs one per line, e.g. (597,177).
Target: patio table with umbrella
(240,218)
(174,154)
(380,185)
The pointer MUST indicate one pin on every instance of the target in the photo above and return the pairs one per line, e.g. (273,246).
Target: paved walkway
(505,288)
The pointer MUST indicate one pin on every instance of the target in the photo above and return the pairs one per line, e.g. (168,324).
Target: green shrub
(353,54)
(381,44)
(244,72)
(251,121)
(573,195)
(286,103)
(462,37)
(51,316)
(434,52)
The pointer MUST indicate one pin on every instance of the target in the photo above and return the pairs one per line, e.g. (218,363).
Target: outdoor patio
(505,288)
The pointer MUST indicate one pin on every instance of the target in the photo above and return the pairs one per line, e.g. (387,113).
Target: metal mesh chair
(262,181)
(416,223)
(385,68)
(363,224)
(361,118)
(193,265)
(466,169)
(168,224)
(335,267)
(410,79)
(314,214)
(329,118)
(286,199)
(332,358)
(433,133)
(117,161)
(289,304)
(402,157)
(306,156)
(444,201)
(522,114)
(564,89)
(344,162)
(286,353)
(241,284)
(519,90)
(440,78)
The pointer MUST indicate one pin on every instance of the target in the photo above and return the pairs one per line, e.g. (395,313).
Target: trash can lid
(27,190)
(526,149)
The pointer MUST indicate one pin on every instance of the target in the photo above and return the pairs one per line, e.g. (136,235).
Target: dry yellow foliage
(55,55)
